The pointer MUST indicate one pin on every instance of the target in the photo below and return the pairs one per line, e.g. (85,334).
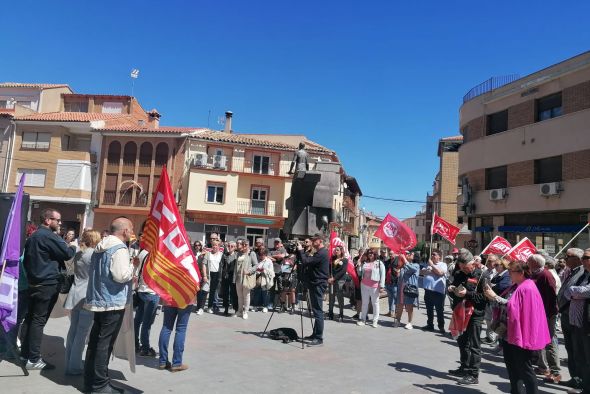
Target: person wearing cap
(467,286)
(318,270)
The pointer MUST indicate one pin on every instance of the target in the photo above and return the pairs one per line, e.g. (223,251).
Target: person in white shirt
(212,261)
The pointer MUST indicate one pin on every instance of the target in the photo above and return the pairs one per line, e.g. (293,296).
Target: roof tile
(69,116)
(33,85)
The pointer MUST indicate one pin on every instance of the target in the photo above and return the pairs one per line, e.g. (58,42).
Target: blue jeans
(172,315)
(80,325)
(391,296)
(144,318)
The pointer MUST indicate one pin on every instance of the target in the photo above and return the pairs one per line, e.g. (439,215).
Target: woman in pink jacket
(522,326)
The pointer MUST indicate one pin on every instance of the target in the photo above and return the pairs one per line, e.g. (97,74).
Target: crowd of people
(522,304)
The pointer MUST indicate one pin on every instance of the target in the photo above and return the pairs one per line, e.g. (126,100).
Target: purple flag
(9,258)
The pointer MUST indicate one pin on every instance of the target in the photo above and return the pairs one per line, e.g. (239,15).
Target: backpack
(284,334)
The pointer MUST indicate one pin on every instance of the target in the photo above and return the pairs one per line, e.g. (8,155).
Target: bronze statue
(300,160)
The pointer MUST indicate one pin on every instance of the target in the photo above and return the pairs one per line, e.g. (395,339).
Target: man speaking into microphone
(317,267)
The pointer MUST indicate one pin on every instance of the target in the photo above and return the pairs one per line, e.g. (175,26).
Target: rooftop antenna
(134,75)
(208,118)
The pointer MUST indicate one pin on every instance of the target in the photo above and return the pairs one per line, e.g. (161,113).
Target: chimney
(154,119)
(227,128)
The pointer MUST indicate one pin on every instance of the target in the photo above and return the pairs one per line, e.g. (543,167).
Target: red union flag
(522,250)
(444,229)
(171,268)
(498,245)
(396,235)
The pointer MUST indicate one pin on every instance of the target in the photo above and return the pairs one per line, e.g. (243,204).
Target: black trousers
(41,300)
(519,363)
(337,291)
(566,329)
(213,297)
(435,301)
(581,346)
(100,346)
(470,347)
(229,293)
(316,298)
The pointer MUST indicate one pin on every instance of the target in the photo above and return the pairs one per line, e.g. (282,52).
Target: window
(112,108)
(215,193)
(261,164)
(259,197)
(73,175)
(548,170)
(497,122)
(549,107)
(252,233)
(76,106)
(496,177)
(214,228)
(34,177)
(25,103)
(3,103)
(114,153)
(36,141)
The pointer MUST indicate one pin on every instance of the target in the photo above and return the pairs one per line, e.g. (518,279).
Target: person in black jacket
(45,253)
(468,286)
(317,268)
(336,281)
(228,288)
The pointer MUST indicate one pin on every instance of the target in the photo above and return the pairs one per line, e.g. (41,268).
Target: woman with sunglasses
(521,325)
(336,281)
(372,280)
(407,288)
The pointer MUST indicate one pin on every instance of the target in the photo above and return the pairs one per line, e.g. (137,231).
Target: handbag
(65,282)
(249,281)
(411,290)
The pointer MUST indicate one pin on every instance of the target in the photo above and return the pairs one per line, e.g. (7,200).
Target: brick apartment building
(525,159)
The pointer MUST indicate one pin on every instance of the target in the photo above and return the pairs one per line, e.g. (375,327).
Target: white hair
(576,252)
(540,260)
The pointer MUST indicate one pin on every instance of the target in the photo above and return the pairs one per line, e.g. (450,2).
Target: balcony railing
(218,162)
(489,85)
(262,208)
(266,168)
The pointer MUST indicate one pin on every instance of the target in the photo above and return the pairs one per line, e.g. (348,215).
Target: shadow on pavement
(447,388)
(420,370)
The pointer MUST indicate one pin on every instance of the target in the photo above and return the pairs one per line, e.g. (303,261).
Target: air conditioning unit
(497,194)
(199,160)
(549,189)
(219,161)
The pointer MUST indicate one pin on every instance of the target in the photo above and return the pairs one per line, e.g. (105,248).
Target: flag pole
(3,267)
(571,240)
(431,227)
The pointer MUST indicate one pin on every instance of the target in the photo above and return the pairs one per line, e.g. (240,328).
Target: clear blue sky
(379,82)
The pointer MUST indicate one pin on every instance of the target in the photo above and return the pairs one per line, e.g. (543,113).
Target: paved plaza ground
(227,355)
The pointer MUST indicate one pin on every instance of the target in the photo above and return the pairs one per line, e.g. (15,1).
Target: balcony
(260,208)
(266,168)
(216,162)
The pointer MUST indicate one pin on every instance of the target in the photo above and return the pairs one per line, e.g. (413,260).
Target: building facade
(524,165)
(237,184)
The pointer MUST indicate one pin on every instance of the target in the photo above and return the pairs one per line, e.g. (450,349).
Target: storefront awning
(541,229)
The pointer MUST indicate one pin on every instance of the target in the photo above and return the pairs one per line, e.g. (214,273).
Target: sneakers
(488,341)
(315,342)
(166,366)
(374,325)
(179,368)
(409,326)
(459,372)
(245,316)
(200,311)
(148,353)
(210,310)
(575,391)
(39,365)
(360,323)
(468,380)
(264,310)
